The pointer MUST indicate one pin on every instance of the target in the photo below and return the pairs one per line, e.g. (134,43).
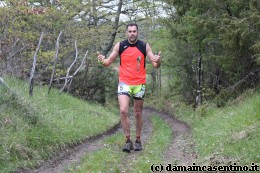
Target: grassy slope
(227,135)
(32,128)
(222,136)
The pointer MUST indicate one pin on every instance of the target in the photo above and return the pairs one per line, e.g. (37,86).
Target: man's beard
(132,39)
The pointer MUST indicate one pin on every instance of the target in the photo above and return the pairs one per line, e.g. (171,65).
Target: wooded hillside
(210,51)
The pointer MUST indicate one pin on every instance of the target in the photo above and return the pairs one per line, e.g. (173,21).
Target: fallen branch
(244,79)
(67,77)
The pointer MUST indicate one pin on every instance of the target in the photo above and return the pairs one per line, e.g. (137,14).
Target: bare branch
(67,77)
(68,71)
(55,61)
(10,56)
(244,79)
(34,65)
(2,82)
(82,62)
(74,74)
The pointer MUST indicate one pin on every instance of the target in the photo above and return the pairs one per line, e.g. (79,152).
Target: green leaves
(226,33)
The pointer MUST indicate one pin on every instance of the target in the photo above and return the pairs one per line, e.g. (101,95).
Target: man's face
(132,34)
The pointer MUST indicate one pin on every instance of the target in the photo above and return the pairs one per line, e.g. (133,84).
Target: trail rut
(180,151)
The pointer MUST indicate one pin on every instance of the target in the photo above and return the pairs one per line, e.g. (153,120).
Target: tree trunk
(153,74)
(110,44)
(115,27)
(199,81)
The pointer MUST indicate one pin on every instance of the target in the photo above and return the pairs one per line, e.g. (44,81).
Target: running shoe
(128,146)
(138,145)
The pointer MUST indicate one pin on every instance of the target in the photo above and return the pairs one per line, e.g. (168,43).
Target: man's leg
(138,107)
(125,121)
(124,108)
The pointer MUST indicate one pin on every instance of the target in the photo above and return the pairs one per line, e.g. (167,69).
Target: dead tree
(55,61)
(74,74)
(34,65)
(68,77)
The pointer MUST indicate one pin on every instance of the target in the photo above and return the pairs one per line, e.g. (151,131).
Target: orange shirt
(132,62)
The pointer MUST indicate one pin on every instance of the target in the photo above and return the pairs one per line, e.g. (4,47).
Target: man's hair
(132,24)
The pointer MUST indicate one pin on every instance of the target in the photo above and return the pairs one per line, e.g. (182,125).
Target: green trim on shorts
(137,91)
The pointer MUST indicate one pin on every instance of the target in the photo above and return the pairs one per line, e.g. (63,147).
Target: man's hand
(101,58)
(156,58)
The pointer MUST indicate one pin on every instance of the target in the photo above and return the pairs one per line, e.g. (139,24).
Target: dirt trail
(146,133)
(180,151)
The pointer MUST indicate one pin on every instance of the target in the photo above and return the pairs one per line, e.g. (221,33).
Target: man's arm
(155,59)
(111,58)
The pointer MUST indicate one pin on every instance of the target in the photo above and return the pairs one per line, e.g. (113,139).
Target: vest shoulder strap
(141,45)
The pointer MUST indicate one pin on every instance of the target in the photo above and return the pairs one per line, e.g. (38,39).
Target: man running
(132,79)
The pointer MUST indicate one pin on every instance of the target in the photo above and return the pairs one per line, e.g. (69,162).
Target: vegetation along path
(179,151)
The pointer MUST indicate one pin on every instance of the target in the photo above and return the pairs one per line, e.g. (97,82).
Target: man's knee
(138,114)
(123,113)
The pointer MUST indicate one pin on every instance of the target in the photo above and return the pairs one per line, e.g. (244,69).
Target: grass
(109,158)
(154,150)
(227,135)
(33,128)
(105,159)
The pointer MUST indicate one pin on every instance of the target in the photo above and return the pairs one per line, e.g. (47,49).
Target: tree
(225,34)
